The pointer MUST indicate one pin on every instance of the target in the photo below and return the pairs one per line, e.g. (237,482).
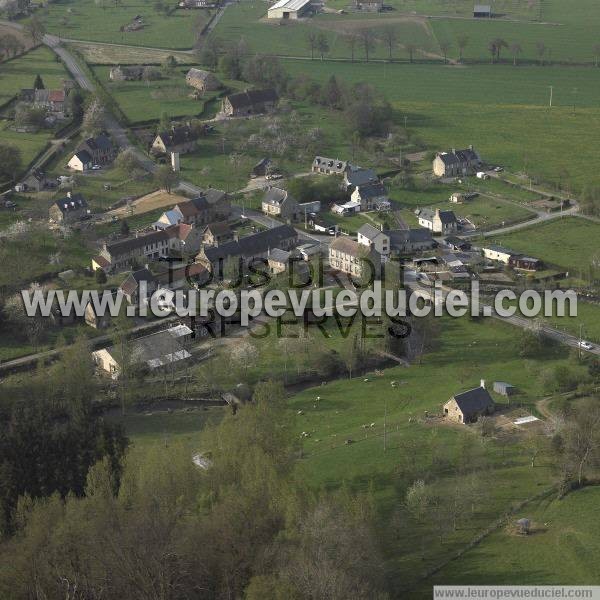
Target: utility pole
(551,94)
(385,427)
(580,339)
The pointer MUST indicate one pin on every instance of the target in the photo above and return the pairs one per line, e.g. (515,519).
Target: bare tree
(596,50)
(391,38)
(541,50)
(35,29)
(368,42)
(312,42)
(411,49)
(351,41)
(322,44)
(515,50)
(582,437)
(462,41)
(445,47)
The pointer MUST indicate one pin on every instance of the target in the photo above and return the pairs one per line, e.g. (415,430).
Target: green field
(101,21)
(248,21)
(568,243)
(21,72)
(562,550)
(145,101)
(30,144)
(501,110)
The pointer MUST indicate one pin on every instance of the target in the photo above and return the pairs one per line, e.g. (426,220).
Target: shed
(504,389)
(482,11)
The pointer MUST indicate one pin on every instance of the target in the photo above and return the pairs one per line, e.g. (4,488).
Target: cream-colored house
(348,256)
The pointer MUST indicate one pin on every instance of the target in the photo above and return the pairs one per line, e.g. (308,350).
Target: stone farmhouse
(100,148)
(250,102)
(456,163)
(52,101)
(128,73)
(278,203)
(203,81)
(443,222)
(329,166)
(70,209)
(468,406)
(180,139)
(358,260)
(130,288)
(217,234)
(247,248)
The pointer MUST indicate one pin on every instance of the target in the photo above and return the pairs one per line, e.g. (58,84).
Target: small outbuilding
(482,11)
(504,389)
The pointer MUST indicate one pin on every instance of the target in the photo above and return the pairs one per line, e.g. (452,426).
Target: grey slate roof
(370,231)
(333,164)
(100,142)
(279,255)
(473,401)
(125,246)
(252,245)
(276,196)
(360,177)
(178,135)
(252,97)
(75,202)
(372,190)
(458,156)
(84,156)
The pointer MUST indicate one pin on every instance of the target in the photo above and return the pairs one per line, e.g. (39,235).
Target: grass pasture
(248,21)
(562,549)
(21,72)
(145,101)
(109,54)
(509,104)
(101,22)
(569,243)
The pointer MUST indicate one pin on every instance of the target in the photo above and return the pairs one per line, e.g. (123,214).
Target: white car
(96,167)
(586,345)
(499,169)
(274,176)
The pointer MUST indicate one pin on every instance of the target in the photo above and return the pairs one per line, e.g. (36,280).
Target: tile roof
(126,246)
(348,246)
(358,176)
(68,204)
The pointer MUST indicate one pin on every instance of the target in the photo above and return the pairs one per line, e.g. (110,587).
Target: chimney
(380,226)
(68,194)
(482,384)
(453,150)
(236,236)
(471,147)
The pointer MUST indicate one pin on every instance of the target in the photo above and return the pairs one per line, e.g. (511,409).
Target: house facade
(250,102)
(468,406)
(358,260)
(100,148)
(203,81)
(370,195)
(456,163)
(70,209)
(278,203)
(372,237)
(251,247)
(81,161)
(217,234)
(180,139)
(438,221)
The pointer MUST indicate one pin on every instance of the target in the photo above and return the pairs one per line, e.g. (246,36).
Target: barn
(289,9)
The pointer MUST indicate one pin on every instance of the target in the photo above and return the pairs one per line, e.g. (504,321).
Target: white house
(498,253)
(439,221)
(80,161)
(370,236)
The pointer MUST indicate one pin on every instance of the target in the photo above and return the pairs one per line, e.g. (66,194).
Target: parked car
(586,345)
(96,167)
(499,169)
(273,176)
